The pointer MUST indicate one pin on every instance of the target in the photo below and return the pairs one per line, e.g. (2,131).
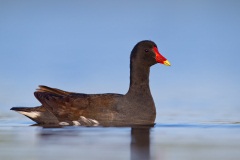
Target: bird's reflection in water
(139,144)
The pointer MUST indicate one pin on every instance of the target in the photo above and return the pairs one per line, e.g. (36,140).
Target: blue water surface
(165,141)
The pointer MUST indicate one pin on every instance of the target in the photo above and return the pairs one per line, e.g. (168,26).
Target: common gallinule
(136,107)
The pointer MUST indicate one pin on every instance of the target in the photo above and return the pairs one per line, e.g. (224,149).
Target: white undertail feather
(33,114)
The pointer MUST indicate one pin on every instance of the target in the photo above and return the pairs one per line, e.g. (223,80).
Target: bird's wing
(64,105)
(43,88)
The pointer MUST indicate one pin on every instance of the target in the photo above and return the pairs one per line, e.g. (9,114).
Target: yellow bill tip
(167,63)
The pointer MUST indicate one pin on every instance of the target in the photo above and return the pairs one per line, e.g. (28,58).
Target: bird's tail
(38,114)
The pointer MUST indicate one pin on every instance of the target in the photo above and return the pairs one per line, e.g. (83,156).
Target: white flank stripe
(63,123)
(76,123)
(94,121)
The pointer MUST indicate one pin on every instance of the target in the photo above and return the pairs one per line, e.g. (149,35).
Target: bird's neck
(139,78)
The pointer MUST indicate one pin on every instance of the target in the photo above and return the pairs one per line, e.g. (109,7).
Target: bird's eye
(146,50)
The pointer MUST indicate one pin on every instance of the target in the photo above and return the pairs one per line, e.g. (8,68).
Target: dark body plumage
(134,108)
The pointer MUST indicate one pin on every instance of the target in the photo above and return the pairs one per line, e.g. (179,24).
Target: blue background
(84,46)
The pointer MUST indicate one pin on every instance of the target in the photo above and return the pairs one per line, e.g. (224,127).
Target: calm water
(166,141)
